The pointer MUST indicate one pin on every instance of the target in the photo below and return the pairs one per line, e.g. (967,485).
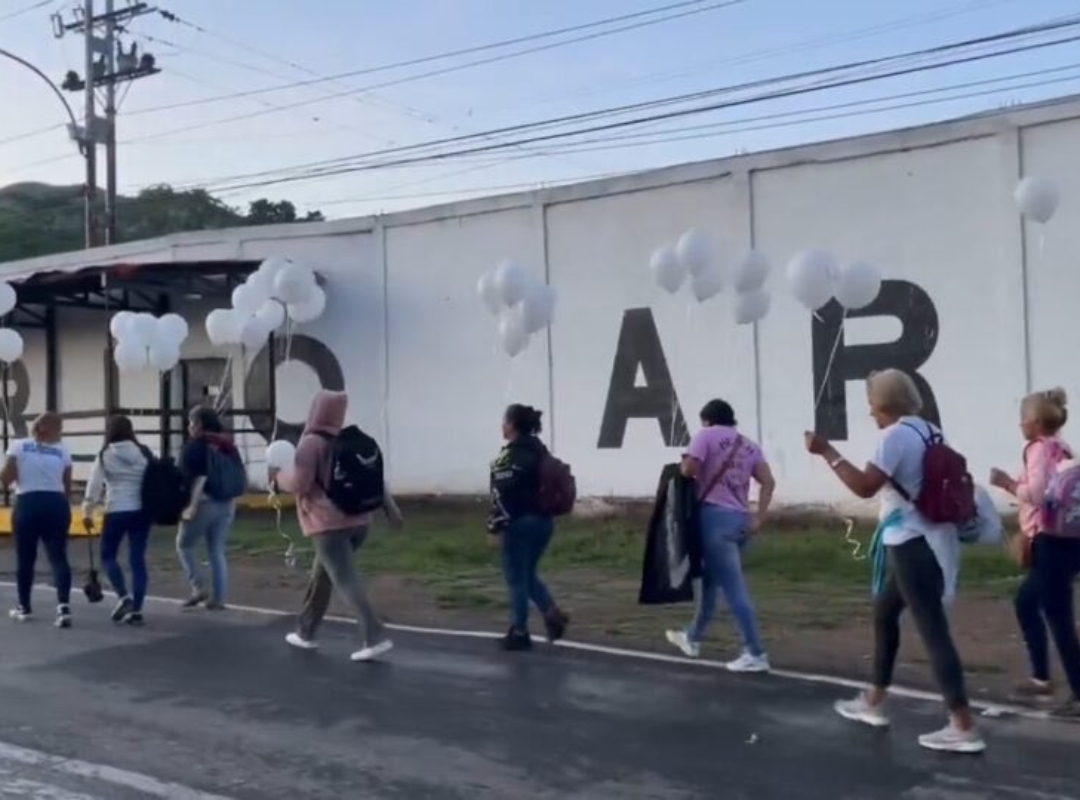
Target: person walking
(335,532)
(723,461)
(524,529)
(40,468)
(117,480)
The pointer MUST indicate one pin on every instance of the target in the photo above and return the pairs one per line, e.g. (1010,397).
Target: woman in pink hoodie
(335,535)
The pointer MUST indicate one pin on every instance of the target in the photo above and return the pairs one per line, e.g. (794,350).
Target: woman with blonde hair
(41,469)
(1045,598)
(909,552)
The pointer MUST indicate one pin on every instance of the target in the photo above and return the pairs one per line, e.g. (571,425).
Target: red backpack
(948,491)
(558,487)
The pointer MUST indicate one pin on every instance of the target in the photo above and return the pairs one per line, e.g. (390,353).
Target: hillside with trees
(38,219)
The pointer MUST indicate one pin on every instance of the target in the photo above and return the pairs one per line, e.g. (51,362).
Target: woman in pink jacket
(335,535)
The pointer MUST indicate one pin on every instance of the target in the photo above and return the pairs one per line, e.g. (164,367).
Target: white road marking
(99,772)
(991,709)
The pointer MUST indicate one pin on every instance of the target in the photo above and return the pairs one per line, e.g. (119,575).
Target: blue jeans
(41,518)
(723,535)
(135,525)
(211,523)
(524,542)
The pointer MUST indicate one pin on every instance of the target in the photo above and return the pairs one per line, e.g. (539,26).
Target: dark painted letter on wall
(918,337)
(639,346)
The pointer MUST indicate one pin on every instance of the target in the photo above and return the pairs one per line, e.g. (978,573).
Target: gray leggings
(914,580)
(335,568)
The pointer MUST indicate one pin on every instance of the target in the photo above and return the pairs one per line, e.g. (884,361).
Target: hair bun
(1057,396)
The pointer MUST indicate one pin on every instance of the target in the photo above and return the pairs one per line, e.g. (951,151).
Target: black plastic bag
(672,543)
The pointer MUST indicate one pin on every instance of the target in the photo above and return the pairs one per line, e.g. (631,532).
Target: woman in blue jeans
(722,462)
(117,478)
(525,532)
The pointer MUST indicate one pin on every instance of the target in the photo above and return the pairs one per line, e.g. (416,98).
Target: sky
(182,128)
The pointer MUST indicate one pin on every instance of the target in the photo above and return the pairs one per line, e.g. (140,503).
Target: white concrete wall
(930,207)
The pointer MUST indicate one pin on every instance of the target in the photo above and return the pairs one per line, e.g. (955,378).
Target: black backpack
(357,484)
(164,491)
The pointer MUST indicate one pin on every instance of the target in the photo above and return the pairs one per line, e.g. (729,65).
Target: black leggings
(45,518)
(1045,600)
(914,580)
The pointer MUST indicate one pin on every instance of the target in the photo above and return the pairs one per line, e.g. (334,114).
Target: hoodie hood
(327,414)
(124,459)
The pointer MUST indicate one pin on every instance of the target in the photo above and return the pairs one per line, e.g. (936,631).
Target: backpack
(558,487)
(948,491)
(1060,509)
(163,493)
(226,477)
(357,480)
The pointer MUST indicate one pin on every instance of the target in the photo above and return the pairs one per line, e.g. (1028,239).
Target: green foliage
(38,219)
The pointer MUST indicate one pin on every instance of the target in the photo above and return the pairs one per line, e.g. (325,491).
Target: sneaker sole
(966,748)
(753,671)
(301,645)
(863,719)
(372,654)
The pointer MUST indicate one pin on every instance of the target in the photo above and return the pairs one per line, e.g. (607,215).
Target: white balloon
(695,251)
(130,356)
(706,283)
(223,327)
(254,333)
(172,328)
(280,454)
(511,282)
(1037,198)
(752,306)
(8,299)
(489,293)
(294,283)
(811,275)
(513,336)
(751,271)
(142,329)
(272,314)
(120,324)
(245,299)
(667,270)
(163,355)
(538,308)
(311,308)
(857,285)
(11,345)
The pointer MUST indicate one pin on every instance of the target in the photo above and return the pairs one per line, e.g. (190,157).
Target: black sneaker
(135,618)
(197,599)
(516,641)
(1070,710)
(123,608)
(1033,691)
(215,605)
(63,616)
(555,623)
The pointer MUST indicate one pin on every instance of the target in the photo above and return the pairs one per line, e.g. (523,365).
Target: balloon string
(226,382)
(688,329)
(832,360)
(1042,244)
(853,543)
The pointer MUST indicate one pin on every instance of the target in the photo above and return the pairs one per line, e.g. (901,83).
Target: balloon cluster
(144,341)
(815,278)
(523,304)
(11,341)
(278,289)
(1037,199)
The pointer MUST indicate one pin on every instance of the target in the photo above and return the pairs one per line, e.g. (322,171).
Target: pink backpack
(1060,511)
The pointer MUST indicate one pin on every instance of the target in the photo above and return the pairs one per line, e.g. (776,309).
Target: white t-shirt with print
(41,466)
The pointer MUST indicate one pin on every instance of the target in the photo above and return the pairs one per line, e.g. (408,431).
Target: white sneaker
(951,739)
(20,614)
(296,640)
(63,617)
(370,653)
(682,641)
(749,663)
(859,710)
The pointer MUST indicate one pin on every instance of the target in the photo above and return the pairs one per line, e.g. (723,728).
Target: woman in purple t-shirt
(722,461)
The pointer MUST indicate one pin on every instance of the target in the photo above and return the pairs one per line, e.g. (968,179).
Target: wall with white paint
(931,208)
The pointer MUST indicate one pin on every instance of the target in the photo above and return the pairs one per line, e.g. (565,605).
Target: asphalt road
(205,706)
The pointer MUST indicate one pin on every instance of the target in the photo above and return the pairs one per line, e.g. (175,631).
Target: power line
(27,9)
(31,134)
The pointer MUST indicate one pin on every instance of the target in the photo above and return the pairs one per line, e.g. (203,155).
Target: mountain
(38,219)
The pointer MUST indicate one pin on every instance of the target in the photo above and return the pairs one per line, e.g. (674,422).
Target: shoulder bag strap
(723,468)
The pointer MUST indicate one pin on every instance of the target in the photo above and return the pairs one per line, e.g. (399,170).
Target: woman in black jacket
(525,530)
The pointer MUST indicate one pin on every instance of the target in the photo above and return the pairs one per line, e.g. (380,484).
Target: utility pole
(107,65)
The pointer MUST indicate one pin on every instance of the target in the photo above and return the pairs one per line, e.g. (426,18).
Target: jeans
(135,525)
(524,542)
(724,533)
(45,518)
(914,580)
(335,565)
(211,523)
(1045,600)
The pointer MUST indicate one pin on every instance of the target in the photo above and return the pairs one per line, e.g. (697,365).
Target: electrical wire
(28,9)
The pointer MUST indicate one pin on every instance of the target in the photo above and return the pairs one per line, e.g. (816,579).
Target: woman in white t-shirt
(910,552)
(40,468)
